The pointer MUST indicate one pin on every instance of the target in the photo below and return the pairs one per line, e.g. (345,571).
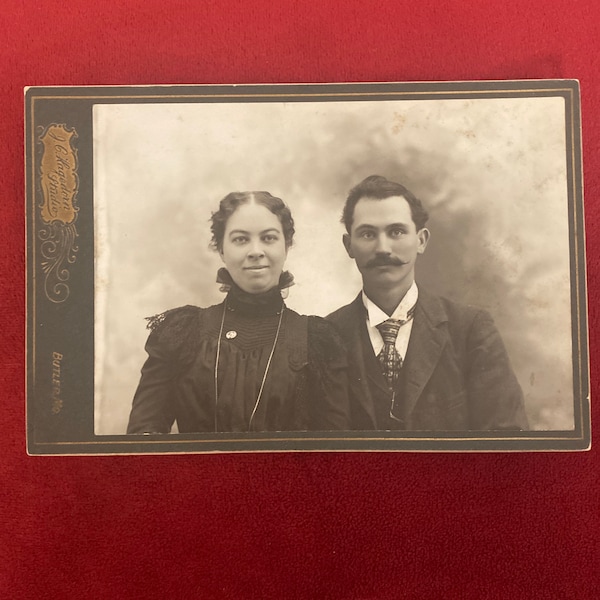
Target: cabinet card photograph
(333,267)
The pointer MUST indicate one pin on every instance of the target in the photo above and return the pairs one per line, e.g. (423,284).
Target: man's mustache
(385,261)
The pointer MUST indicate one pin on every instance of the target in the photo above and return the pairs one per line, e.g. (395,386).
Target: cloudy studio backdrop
(491,172)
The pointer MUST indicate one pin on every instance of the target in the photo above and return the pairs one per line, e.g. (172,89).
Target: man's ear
(423,236)
(346,241)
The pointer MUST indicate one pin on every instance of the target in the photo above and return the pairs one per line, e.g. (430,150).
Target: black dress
(305,387)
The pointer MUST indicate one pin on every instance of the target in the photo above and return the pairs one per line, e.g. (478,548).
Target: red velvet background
(319,525)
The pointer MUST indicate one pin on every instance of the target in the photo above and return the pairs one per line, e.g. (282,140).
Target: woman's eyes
(269,238)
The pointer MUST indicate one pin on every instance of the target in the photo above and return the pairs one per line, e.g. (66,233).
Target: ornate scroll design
(58,250)
(59,184)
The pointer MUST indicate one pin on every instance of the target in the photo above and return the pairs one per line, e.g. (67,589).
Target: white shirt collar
(376,316)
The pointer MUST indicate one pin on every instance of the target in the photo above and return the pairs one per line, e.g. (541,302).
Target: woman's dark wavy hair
(234,200)
(376,186)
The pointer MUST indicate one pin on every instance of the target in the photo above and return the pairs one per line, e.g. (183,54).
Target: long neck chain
(264,379)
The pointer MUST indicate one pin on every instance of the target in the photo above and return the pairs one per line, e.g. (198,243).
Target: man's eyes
(398,232)
(393,233)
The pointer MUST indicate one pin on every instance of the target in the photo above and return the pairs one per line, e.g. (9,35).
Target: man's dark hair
(376,186)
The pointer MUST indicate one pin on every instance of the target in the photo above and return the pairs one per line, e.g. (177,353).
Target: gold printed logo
(59,183)
(59,175)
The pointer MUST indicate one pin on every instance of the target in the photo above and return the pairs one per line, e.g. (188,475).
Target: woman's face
(254,249)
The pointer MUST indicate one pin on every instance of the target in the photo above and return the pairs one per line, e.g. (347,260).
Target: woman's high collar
(262,304)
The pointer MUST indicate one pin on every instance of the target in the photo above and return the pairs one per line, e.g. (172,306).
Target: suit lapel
(359,355)
(427,340)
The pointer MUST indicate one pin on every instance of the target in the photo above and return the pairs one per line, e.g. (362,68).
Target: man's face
(384,242)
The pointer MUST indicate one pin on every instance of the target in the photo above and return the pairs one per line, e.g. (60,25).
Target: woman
(249,363)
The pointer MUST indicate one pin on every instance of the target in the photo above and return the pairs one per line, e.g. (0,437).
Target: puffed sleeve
(495,396)
(327,378)
(152,410)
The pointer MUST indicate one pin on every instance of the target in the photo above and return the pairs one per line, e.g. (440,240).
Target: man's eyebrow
(390,226)
(400,224)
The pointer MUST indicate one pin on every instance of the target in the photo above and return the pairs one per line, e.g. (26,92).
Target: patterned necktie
(389,358)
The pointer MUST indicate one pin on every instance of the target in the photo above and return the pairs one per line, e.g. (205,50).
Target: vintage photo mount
(60,272)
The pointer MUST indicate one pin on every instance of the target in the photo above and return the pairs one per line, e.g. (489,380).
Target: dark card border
(68,327)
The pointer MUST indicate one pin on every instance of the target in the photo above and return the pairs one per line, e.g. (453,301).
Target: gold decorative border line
(358,94)
(575,172)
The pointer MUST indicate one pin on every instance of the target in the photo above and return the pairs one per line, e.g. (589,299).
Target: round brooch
(231,334)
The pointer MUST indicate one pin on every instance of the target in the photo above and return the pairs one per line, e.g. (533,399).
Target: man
(418,361)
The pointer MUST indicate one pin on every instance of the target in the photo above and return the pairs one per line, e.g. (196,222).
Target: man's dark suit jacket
(456,374)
